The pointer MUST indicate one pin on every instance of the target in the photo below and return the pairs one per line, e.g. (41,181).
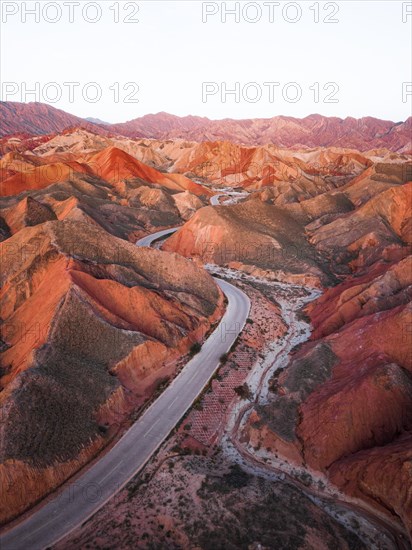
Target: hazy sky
(168,51)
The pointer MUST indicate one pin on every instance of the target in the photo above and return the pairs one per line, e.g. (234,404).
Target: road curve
(214,201)
(148,240)
(82,498)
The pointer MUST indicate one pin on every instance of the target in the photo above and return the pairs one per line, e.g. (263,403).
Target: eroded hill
(91,324)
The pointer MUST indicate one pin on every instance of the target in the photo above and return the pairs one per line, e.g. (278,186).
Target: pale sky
(169,52)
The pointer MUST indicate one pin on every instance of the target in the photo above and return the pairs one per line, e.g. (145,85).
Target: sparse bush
(195,348)
(198,406)
(223,358)
(243,391)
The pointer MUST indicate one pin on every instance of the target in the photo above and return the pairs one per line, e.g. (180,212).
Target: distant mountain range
(312,131)
(97,121)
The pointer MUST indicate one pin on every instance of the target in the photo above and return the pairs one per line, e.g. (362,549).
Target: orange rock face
(89,329)
(253,234)
(380,475)
(252,168)
(382,288)
(111,164)
(108,187)
(343,405)
(114,165)
(41,177)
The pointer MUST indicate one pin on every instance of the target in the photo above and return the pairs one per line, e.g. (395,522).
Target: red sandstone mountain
(226,163)
(160,124)
(39,118)
(115,165)
(252,236)
(343,405)
(111,164)
(91,324)
(312,131)
(76,299)
(297,230)
(107,187)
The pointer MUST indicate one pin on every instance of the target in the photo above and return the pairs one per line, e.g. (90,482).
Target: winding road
(149,239)
(214,201)
(82,498)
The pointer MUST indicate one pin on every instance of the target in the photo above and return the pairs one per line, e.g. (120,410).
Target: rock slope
(88,333)
(343,404)
(107,187)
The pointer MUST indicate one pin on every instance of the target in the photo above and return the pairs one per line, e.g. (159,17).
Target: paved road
(147,241)
(82,498)
(214,201)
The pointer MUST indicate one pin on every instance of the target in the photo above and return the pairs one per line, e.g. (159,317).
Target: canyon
(309,416)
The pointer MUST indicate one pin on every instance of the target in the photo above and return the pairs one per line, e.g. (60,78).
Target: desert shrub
(195,348)
(224,358)
(243,391)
